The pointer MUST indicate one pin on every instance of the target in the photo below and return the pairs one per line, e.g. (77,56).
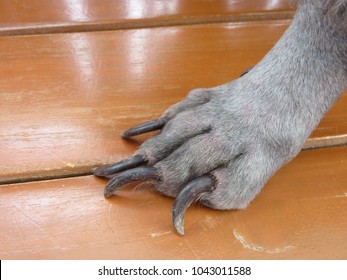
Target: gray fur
(244,131)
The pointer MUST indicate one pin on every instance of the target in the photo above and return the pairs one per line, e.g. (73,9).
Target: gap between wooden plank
(36,29)
(86,170)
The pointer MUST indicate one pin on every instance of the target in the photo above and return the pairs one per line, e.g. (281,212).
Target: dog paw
(218,146)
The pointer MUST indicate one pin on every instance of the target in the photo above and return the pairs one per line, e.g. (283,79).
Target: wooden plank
(65,98)
(300,214)
(56,16)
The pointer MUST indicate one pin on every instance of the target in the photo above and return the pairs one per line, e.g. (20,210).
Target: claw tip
(124,135)
(179,225)
(95,171)
(107,194)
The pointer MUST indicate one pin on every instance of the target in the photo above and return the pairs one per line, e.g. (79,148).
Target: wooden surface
(300,214)
(56,16)
(65,99)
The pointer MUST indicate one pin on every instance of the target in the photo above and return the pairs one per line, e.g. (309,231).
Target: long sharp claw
(108,170)
(136,174)
(144,128)
(189,193)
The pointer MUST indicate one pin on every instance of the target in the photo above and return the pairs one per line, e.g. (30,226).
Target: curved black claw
(189,193)
(108,170)
(144,128)
(136,174)
(246,71)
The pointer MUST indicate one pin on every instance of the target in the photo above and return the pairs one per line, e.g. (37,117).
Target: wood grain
(300,214)
(56,16)
(66,98)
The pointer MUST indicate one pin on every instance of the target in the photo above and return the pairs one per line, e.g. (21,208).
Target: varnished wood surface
(65,98)
(300,214)
(56,16)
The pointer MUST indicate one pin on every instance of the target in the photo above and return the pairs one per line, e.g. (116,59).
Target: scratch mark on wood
(156,234)
(253,247)
(344,195)
(108,219)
